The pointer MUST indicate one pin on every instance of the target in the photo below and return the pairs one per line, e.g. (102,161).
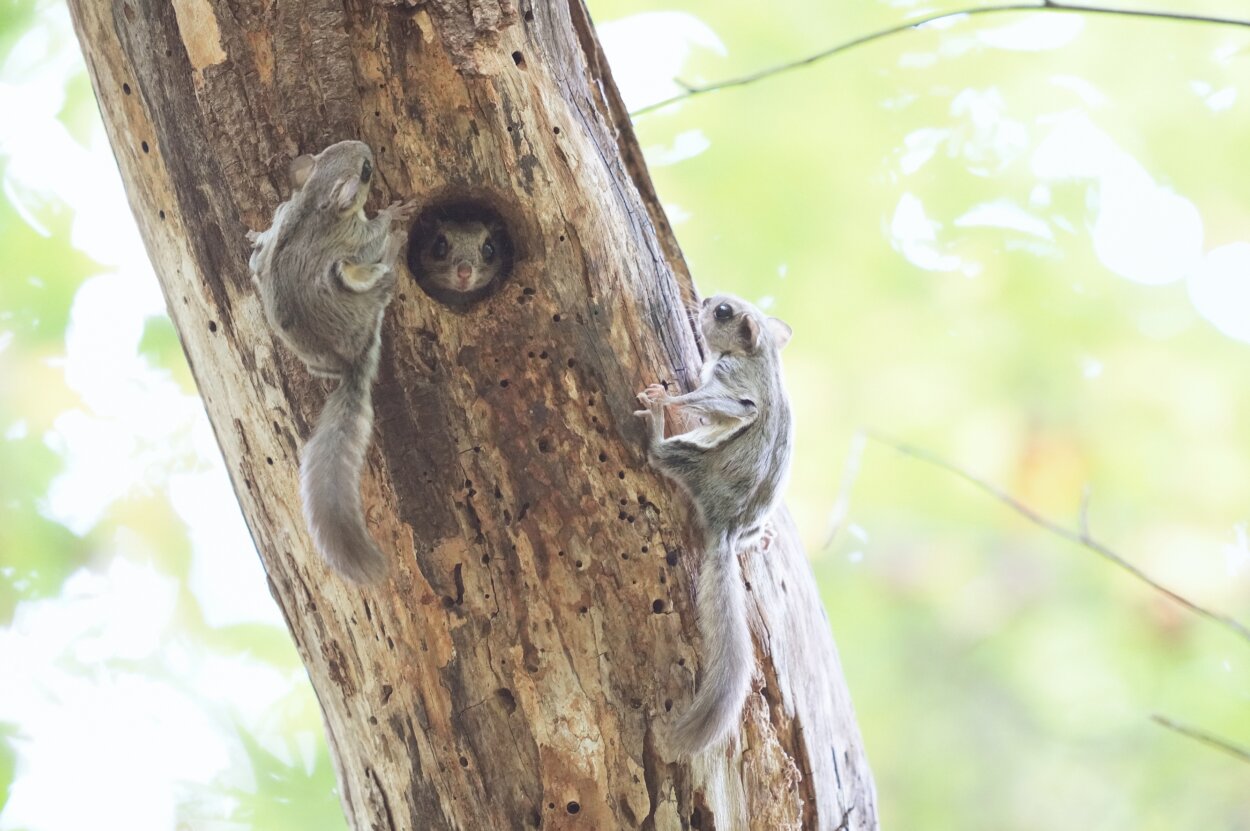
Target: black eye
(440,247)
(366,170)
(723,312)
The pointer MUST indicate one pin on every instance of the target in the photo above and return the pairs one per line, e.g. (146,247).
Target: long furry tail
(727,652)
(330,476)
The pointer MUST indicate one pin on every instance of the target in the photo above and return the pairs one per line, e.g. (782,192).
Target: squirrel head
(462,256)
(337,178)
(732,326)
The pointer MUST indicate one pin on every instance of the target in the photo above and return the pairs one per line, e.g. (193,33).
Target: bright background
(1021,241)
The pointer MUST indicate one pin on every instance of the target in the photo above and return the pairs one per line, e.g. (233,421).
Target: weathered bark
(538,633)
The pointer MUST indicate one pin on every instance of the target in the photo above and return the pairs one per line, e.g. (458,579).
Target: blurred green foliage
(955,277)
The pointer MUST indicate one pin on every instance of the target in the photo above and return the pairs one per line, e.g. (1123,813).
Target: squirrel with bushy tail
(326,274)
(733,466)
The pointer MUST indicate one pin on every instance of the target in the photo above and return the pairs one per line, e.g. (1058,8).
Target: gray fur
(733,466)
(325,275)
(462,256)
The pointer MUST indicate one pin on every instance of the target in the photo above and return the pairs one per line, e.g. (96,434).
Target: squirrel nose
(464,271)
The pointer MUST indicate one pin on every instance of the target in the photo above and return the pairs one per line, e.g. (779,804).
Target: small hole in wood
(212,326)
(161,214)
(144,145)
(657,606)
(518,59)
(555,130)
(529,15)
(572,807)
(507,699)
(126,88)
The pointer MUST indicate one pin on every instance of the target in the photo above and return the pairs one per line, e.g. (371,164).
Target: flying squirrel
(459,254)
(325,275)
(733,466)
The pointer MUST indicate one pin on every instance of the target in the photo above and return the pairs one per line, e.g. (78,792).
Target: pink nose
(464,271)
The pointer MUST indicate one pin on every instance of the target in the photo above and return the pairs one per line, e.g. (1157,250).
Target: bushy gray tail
(727,653)
(330,475)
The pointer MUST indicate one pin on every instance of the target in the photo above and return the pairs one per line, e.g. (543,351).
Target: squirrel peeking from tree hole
(459,252)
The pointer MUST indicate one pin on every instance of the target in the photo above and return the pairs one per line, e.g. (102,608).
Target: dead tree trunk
(538,631)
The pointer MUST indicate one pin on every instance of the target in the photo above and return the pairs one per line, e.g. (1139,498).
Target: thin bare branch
(1080,536)
(1210,740)
(691,90)
(850,472)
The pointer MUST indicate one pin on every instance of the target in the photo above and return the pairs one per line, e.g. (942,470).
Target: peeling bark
(538,632)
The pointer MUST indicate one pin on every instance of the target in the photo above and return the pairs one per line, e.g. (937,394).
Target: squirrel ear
(749,329)
(780,330)
(299,170)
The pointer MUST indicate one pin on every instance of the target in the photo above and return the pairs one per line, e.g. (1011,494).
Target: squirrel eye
(723,312)
(440,247)
(366,170)
(488,251)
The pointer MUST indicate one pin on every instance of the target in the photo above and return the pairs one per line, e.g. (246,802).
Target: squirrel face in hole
(462,256)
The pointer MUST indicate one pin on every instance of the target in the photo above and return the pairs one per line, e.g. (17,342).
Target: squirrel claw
(653,394)
(401,211)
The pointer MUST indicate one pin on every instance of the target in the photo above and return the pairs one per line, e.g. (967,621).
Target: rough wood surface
(538,632)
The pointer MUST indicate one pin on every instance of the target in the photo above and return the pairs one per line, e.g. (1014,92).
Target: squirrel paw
(652,401)
(654,394)
(401,211)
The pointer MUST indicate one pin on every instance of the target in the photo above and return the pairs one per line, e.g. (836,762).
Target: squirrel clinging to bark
(733,465)
(325,275)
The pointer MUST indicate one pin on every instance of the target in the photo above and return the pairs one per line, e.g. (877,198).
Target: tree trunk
(537,634)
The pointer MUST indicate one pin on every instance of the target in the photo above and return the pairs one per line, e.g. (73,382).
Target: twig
(1081,536)
(691,90)
(850,472)
(1204,737)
